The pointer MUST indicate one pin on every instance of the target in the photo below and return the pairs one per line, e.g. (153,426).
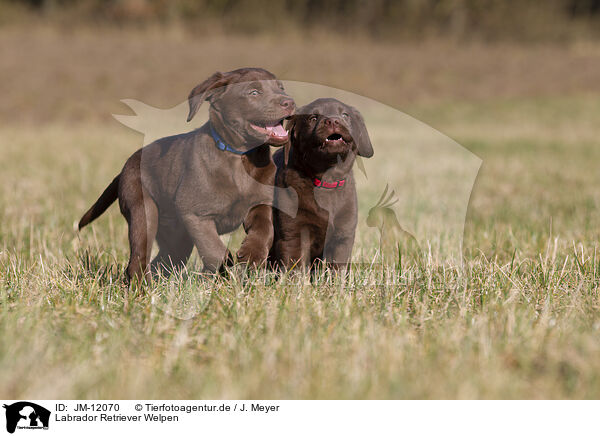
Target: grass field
(520,320)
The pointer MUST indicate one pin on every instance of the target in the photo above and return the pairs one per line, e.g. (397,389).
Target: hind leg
(143,221)
(175,249)
(141,214)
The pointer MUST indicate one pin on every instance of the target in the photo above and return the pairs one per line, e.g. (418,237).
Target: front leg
(294,250)
(204,234)
(259,235)
(338,247)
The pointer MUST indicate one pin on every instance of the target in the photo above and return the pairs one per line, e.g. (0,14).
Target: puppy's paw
(254,254)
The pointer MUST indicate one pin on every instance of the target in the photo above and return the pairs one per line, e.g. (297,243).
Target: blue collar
(222,145)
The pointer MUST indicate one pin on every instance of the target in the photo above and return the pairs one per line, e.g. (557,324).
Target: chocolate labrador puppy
(186,190)
(325,137)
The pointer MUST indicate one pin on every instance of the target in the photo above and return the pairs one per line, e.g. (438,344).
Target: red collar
(322,184)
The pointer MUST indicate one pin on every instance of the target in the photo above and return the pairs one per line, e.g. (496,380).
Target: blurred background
(405,53)
(517,83)
(395,19)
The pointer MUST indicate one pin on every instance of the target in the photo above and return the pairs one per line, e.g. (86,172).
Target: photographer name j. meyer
(149,407)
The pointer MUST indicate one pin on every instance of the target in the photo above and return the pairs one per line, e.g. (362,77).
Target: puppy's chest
(321,204)
(234,208)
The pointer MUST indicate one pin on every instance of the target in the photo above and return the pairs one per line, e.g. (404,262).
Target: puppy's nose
(332,122)
(287,103)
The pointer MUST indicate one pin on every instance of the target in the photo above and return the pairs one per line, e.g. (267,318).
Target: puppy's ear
(361,136)
(290,126)
(206,90)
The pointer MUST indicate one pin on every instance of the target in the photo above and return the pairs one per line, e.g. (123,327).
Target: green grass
(520,320)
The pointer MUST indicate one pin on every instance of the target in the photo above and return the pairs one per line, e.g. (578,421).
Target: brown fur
(185,192)
(324,227)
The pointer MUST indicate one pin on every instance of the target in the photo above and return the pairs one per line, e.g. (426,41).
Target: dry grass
(520,321)
(54,75)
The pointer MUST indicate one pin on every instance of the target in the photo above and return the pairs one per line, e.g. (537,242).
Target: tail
(107,198)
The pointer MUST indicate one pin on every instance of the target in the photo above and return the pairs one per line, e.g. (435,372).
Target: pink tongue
(277,130)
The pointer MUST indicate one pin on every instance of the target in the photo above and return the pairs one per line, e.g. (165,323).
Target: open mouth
(274,131)
(334,139)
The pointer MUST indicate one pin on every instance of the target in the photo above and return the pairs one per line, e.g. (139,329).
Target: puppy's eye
(312,118)
(254,92)
(345,115)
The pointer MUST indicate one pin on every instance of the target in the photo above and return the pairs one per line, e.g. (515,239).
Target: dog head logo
(26,415)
